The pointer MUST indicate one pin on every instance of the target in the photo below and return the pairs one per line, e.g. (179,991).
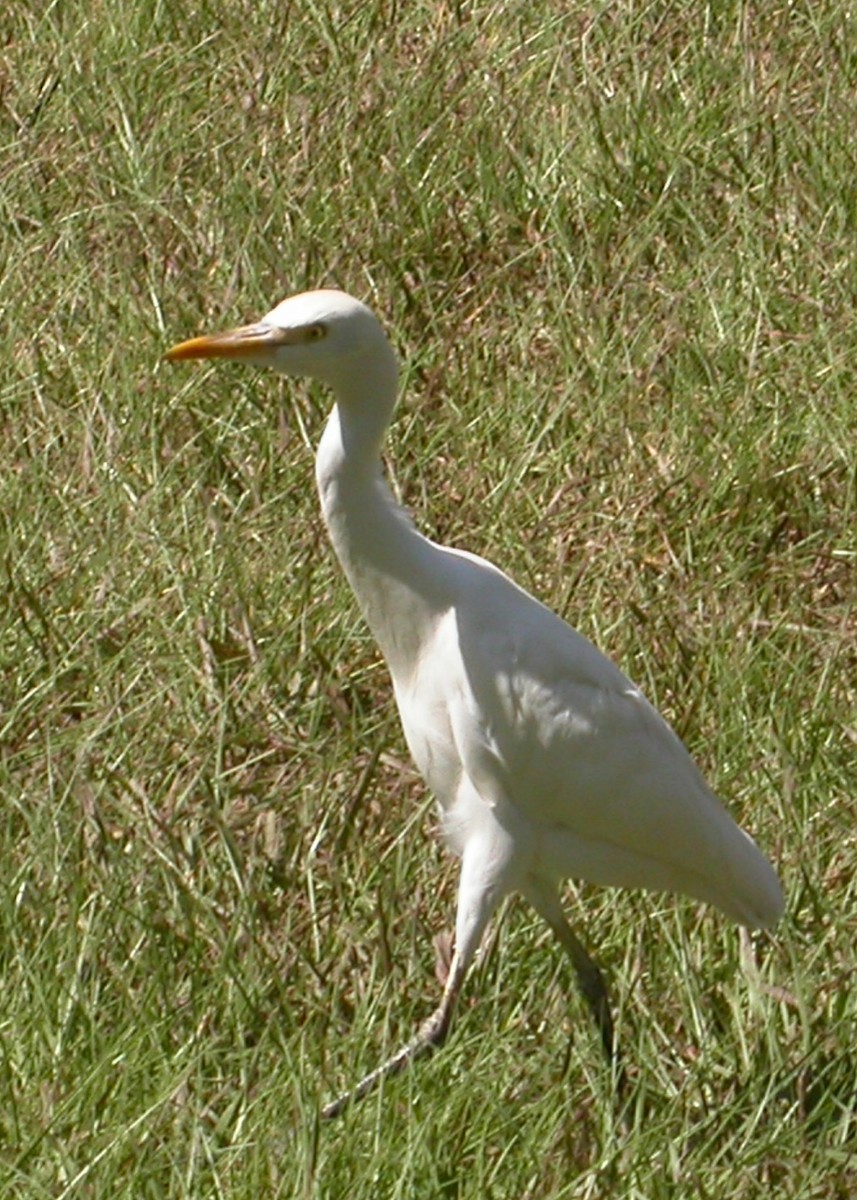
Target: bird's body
(547,762)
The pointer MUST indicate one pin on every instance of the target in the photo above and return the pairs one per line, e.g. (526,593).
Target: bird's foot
(430,1035)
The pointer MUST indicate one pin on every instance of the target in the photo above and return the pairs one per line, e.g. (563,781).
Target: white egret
(546,761)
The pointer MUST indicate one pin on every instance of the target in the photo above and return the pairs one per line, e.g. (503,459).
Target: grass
(615,246)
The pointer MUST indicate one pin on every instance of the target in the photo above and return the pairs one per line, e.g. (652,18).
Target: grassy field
(616,250)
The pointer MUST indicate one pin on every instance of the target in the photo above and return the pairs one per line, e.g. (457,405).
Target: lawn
(615,247)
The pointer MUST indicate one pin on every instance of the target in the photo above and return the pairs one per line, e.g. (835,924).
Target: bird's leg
(479,891)
(589,978)
(430,1035)
(594,989)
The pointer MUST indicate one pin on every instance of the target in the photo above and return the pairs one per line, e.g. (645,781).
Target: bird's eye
(316,332)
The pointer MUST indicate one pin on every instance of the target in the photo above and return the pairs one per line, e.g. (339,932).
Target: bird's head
(325,335)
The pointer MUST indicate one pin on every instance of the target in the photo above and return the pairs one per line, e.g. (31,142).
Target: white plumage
(547,762)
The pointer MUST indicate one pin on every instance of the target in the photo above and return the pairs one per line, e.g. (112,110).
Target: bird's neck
(395,573)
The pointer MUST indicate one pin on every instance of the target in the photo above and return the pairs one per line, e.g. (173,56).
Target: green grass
(616,251)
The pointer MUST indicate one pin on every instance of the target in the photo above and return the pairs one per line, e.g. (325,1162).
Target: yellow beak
(246,341)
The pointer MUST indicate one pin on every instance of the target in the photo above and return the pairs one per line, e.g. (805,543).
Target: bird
(546,762)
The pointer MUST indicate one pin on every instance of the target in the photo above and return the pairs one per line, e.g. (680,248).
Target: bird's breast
(425,696)
(429,736)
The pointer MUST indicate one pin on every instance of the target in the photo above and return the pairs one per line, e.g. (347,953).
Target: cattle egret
(546,761)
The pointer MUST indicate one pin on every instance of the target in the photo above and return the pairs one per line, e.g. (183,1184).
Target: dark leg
(592,985)
(589,978)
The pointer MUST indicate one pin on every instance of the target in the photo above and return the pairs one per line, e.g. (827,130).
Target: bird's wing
(551,726)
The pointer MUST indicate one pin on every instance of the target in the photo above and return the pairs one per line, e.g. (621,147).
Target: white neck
(395,573)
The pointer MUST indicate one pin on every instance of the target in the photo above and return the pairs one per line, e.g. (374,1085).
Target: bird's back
(539,716)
